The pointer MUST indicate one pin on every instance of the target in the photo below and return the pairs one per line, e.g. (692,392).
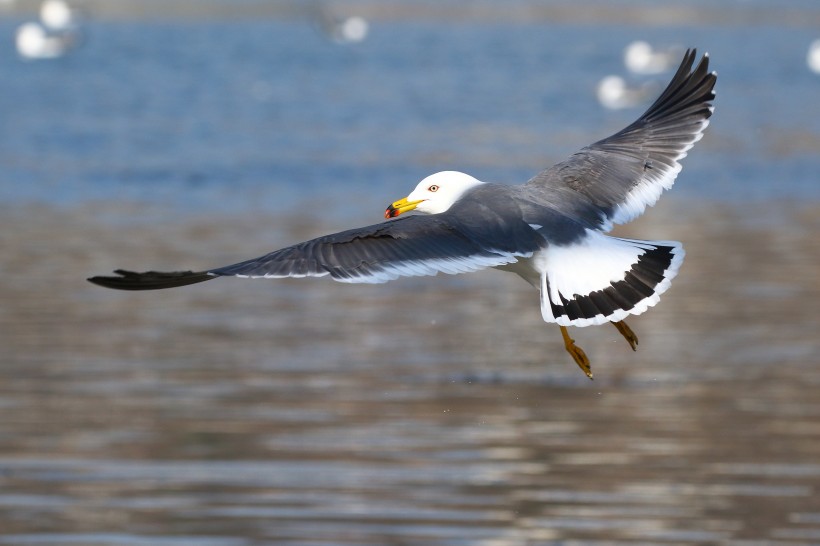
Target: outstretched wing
(615,179)
(409,246)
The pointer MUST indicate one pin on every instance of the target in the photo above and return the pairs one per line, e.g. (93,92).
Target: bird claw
(628,334)
(577,354)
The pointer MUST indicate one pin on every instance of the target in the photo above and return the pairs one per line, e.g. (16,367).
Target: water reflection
(316,413)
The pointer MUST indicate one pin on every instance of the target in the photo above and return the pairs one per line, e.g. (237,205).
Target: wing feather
(615,179)
(407,246)
(410,246)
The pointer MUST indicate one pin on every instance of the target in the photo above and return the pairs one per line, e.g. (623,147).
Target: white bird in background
(341,29)
(351,30)
(641,58)
(813,57)
(34,42)
(54,36)
(58,16)
(615,94)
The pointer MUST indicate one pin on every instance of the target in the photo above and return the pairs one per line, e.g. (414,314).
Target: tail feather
(151,280)
(605,279)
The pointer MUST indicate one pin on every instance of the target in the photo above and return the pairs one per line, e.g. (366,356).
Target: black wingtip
(150,280)
(689,88)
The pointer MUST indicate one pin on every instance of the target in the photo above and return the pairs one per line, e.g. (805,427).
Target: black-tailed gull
(550,231)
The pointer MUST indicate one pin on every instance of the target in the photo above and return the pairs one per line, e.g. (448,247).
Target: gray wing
(456,241)
(615,179)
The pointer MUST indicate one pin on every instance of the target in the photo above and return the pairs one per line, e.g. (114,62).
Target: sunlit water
(424,411)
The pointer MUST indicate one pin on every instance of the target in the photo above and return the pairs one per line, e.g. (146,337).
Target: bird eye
(433,188)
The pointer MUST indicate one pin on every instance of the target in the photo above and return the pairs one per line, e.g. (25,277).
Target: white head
(434,194)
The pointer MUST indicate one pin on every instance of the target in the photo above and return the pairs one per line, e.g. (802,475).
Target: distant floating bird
(349,29)
(53,36)
(550,231)
(58,16)
(614,93)
(35,42)
(813,57)
(641,58)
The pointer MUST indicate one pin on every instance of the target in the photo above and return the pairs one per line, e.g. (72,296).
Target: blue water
(203,115)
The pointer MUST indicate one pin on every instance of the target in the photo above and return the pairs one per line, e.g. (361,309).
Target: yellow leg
(628,334)
(576,352)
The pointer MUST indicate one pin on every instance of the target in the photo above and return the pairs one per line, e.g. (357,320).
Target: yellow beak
(400,206)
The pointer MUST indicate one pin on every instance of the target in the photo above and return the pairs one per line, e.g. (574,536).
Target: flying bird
(551,230)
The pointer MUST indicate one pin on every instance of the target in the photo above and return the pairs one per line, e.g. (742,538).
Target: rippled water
(432,410)
(424,411)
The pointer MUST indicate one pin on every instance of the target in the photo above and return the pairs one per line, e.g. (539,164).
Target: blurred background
(191,134)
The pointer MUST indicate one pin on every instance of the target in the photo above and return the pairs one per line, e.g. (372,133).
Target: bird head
(434,194)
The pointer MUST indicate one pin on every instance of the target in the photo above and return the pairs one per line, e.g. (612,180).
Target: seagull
(33,41)
(551,230)
(813,57)
(350,30)
(615,94)
(342,30)
(641,58)
(53,36)
(58,16)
